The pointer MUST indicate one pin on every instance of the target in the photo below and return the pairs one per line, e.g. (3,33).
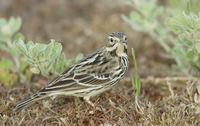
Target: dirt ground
(165,100)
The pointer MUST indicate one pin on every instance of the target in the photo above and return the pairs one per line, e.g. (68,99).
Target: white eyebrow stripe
(112,48)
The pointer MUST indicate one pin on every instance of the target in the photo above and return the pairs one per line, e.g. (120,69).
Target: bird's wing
(92,71)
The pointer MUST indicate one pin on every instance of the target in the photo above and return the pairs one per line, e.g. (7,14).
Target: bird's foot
(101,109)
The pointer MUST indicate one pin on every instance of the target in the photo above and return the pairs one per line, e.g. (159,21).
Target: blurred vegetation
(174,26)
(20,60)
(9,60)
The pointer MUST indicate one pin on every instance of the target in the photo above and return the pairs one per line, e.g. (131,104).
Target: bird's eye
(111,40)
(125,38)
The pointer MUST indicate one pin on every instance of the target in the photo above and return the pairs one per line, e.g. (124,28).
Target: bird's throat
(121,51)
(117,50)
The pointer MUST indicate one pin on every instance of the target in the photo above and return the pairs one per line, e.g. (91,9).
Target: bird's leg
(87,99)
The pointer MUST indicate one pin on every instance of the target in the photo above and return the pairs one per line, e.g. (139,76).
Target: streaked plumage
(93,75)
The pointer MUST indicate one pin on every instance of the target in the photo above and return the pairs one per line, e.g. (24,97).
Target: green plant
(175,27)
(136,82)
(19,60)
(186,51)
(9,60)
(45,59)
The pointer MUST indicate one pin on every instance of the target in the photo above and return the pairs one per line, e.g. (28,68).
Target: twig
(170,88)
(161,80)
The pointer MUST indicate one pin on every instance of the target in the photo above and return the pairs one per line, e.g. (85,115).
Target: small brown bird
(93,75)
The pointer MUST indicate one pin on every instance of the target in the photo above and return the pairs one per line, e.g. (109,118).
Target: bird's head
(117,43)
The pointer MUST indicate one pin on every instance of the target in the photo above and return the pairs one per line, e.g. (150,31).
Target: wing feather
(87,73)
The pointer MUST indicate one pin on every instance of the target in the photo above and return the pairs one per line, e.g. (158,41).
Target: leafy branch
(45,59)
(175,27)
(19,60)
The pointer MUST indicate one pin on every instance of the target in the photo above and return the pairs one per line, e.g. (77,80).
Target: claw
(87,99)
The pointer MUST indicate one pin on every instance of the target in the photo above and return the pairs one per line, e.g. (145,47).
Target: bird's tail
(28,100)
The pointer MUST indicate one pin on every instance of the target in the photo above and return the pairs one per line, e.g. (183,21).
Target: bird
(91,76)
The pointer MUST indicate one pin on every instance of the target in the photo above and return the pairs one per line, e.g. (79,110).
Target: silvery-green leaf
(6,64)
(14,24)
(35,70)
(3,22)
(197,46)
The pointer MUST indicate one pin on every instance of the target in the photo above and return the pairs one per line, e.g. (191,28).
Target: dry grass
(157,106)
(164,101)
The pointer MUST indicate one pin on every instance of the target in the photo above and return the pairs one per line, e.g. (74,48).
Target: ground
(164,100)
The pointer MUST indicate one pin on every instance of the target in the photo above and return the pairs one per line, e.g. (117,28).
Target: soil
(82,27)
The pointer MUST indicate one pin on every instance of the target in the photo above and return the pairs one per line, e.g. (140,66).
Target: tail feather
(27,101)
